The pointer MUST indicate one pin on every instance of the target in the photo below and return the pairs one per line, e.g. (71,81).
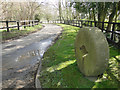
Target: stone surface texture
(92,51)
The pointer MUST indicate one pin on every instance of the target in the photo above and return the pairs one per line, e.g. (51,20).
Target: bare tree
(19,10)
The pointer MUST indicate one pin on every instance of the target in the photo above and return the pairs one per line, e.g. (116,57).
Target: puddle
(27,55)
(24,57)
(35,50)
(9,46)
(20,63)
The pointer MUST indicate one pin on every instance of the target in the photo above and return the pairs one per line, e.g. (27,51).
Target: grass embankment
(59,67)
(14,33)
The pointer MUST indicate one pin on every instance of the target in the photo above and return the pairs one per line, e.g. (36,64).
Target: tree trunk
(89,14)
(102,10)
(60,10)
(100,13)
(94,14)
(114,10)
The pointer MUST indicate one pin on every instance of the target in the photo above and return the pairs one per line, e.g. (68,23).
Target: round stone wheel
(92,51)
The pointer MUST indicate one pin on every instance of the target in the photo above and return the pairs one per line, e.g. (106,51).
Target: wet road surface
(19,65)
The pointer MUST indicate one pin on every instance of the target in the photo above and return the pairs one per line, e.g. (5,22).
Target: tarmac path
(21,57)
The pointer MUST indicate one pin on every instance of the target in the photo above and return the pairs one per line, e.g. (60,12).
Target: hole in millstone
(83,51)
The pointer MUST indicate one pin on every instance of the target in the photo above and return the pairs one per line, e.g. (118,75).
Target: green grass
(59,67)
(14,33)
(118,20)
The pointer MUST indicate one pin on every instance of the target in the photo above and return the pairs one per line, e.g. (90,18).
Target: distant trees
(19,10)
(114,10)
(101,10)
(98,11)
(63,10)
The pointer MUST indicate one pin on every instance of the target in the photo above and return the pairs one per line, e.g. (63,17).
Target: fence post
(24,25)
(18,25)
(91,23)
(95,23)
(76,22)
(113,31)
(81,23)
(7,26)
(102,26)
(88,23)
(32,23)
(29,23)
(73,22)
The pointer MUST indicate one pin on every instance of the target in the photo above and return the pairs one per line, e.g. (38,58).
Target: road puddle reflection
(37,51)
(19,67)
(28,55)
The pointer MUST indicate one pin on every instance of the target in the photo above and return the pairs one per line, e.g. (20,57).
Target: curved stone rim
(94,29)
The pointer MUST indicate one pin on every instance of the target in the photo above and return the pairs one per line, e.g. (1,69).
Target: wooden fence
(112,35)
(22,23)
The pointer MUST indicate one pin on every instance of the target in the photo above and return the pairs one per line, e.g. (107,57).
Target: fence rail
(112,34)
(19,24)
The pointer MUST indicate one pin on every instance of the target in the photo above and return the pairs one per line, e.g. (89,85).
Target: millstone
(92,51)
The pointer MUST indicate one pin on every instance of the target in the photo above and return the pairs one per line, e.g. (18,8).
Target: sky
(53,1)
(48,1)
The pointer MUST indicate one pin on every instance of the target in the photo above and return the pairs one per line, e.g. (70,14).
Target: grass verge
(14,33)
(59,67)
